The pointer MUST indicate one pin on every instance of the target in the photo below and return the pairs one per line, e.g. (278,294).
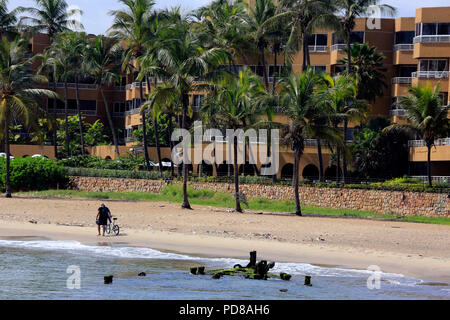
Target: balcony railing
(73,86)
(340,46)
(132,111)
(73,112)
(428,39)
(404,47)
(402,80)
(430,74)
(135,85)
(318,48)
(437,143)
(397,113)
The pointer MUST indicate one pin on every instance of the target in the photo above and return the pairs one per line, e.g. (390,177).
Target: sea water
(34,268)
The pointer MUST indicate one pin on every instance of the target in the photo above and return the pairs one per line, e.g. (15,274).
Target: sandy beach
(415,250)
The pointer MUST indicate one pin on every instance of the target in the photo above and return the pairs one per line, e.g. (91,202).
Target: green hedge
(33,174)
(129,162)
(107,173)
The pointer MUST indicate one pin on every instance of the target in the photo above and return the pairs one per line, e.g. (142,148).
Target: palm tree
(339,98)
(185,66)
(350,10)
(301,17)
(19,99)
(102,57)
(425,116)
(8,19)
(236,109)
(131,26)
(367,67)
(298,97)
(263,11)
(51,17)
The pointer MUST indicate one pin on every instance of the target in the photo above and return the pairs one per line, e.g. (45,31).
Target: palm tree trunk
(110,121)
(263,58)
(186,204)
(338,164)
(8,154)
(320,158)
(144,128)
(66,116)
(155,121)
(54,132)
(430,180)
(305,52)
(80,119)
(349,55)
(297,196)
(274,80)
(344,160)
(236,176)
(172,168)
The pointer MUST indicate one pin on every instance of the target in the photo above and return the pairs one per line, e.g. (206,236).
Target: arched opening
(222,170)
(205,169)
(287,172)
(247,169)
(311,172)
(330,172)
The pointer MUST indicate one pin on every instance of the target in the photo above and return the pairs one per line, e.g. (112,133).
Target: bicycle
(112,227)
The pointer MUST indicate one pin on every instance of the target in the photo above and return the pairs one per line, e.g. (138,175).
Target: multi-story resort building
(417,51)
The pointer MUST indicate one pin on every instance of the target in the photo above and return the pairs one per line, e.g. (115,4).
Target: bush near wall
(33,174)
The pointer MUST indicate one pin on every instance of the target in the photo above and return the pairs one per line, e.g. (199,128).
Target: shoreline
(426,269)
(414,250)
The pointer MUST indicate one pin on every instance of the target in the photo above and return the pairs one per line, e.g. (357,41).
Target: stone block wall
(386,202)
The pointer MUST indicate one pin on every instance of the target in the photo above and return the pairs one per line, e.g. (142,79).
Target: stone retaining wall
(403,203)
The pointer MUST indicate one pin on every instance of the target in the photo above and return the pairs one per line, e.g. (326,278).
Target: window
(119,108)
(356,37)
(433,65)
(339,69)
(444,98)
(429,29)
(443,28)
(433,29)
(258,70)
(197,102)
(404,37)
(86,106)
(406,71)
(319,69)
(318,39)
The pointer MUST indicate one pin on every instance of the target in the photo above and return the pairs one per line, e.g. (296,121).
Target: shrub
(130,162)
(108,173)
(33,174)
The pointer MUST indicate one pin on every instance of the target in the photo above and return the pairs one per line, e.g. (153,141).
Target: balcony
(73,112)
(432,39)
(430,74)
(402,80)
(132,112)
(135,85)
(437,143)
(336,47)
(318,49)
(397,113)
(404,47)
(87,86)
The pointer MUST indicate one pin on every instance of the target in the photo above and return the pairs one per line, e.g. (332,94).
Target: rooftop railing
(73,111)
(71,85)
(435,38)
(430,74)
(402,80)
(404,47)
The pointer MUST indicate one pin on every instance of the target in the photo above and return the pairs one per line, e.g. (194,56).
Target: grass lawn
(206,197)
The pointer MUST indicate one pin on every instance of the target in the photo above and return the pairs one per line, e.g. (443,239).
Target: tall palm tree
(263,11)
(301,17)
(185,66)
(102,57)
(298,97)
(51,17)
(350,10)
(425,116)
(131,26)
(339,98)
(236,109)
(19,99)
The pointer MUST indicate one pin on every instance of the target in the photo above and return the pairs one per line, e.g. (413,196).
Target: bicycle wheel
(116,230)
(108,229)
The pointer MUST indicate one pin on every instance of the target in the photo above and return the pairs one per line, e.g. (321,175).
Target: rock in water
(201,270)
(194,270)
(217,275)
(285,276)
(308,281)
(108,279)
(142,274)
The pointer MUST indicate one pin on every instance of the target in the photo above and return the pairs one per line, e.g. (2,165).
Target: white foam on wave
(76,247)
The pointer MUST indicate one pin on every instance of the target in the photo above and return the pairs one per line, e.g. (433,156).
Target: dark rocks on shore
(108,279)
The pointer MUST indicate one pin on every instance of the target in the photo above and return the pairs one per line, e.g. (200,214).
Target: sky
(96,19)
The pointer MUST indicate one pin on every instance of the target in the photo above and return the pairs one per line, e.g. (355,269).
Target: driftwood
(254,270)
